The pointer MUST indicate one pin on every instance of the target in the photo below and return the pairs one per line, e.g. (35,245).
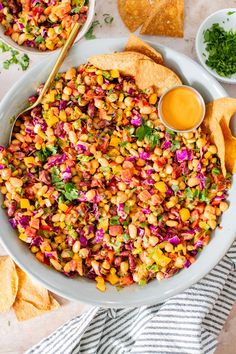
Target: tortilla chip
(166,19)
(223,110)
(135,44)
(8,283)
(150,74)
(125,62)
(133,12)
(216,135)
(32,292)
(32,299)
(25,310)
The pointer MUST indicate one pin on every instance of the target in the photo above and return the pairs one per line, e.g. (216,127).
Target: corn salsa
(41,24)
(98,187)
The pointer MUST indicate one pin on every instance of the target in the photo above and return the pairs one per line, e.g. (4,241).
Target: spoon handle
(68,44)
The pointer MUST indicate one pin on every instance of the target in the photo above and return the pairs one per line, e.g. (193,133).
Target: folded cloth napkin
(186,323)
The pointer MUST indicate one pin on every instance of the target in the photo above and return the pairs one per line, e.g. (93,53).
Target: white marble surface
(16,337)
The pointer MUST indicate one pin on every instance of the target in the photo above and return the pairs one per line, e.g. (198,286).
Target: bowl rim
(198,40)
(111,44)
(33,51)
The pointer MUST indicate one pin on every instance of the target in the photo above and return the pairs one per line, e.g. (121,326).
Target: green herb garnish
(126,237)
(175,145)
(90,35)
(68,190)
(39,39)
(22,61)
(216,171)
(221,48)
(175,188)
(148,133)
(115,220)
(71,192)
(188,193)
(203,196)
(116,246)
(108,18)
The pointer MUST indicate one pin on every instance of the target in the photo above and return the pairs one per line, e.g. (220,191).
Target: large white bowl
(227,22)
(30,50)
(84,289)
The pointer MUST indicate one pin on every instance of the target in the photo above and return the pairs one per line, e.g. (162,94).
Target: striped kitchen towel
(186,323)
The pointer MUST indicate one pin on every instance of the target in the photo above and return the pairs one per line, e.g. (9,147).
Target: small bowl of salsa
(182,109)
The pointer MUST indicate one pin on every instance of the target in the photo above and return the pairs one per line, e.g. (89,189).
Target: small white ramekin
(200,99)
(226,19)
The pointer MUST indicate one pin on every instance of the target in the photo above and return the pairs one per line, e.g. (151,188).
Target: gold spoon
(68,44)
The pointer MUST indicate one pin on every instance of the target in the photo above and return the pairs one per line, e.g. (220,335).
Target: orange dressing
(181,108)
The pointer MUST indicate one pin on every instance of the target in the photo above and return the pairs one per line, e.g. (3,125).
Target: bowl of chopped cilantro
(40,27)
(216,45)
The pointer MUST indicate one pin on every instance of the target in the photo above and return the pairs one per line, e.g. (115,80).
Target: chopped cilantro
(203,196)
(90,35)
(175,188)
(126,209)
(4,47)
(153,267)
(126,237)
(188,193)
(220,45)
(39,39)
(71,192)
(216,171)
(22,61)
(148,133)
(115,220)
(55,174)
(105,168)
(123,144)
(175,145)
(108,18)
(46,152)
(68,190)
(76,10)
(84,158)
(116,246)
(143,224)
(142,282)
(106,74)
(171,132)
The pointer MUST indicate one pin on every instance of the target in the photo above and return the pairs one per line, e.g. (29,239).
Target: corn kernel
(52,121)
(112,277)
(100,283)
(62,225)
(100,80)
(202,224)
(63,207)
(153,98)
(114,141)
(24,204)
(184,214)
(161,187)
(38,146)
(34,249)
(207,155)
(115,74)
(121,97)
(23,237)
(29,161)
